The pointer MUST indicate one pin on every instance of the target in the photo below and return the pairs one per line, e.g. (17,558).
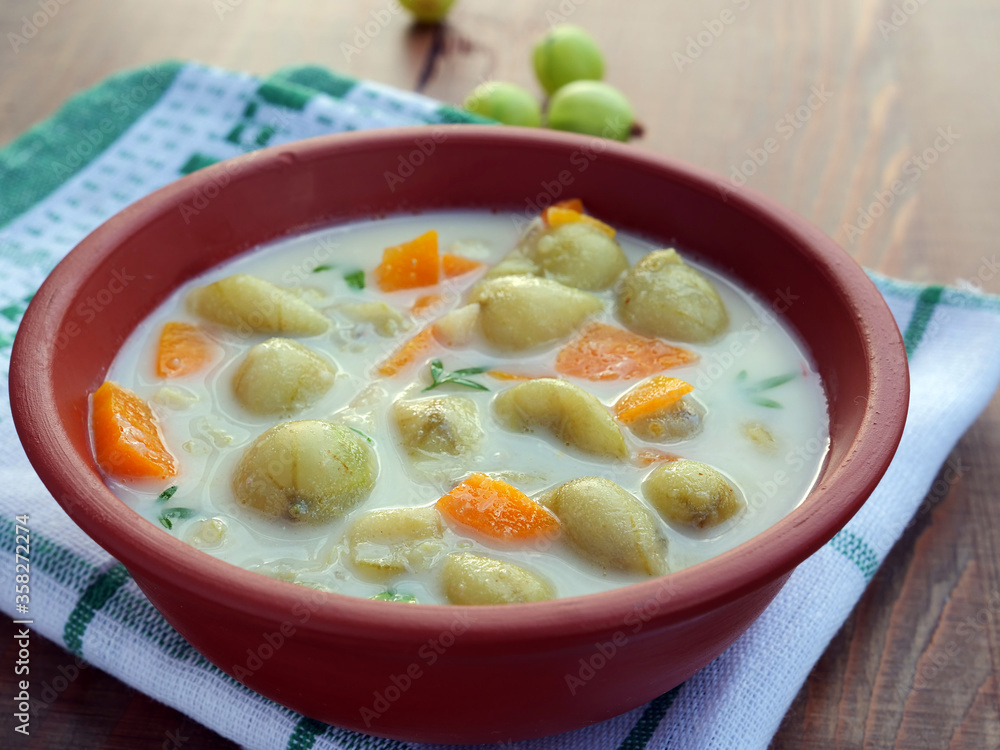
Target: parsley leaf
(753,390)
(166,494)
(770,403)
(322,267)
(366,437)
(458,377)
(355,279)
(391,596)
(167,517)
(769,383)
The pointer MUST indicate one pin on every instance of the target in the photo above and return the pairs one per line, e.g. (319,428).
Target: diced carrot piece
(501,375)
(573,204)
(425,303)
(555,216)
(497,510)
(184,349)
(456,265)
(650,397)
(407,353)
(410,265)
(127,439)
(650,456)
(605,352)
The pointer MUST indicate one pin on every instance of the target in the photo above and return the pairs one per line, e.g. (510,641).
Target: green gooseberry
(428,11)
(566,54)
(592,108)
(505,102)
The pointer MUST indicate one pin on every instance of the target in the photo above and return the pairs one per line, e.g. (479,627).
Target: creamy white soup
(547,410)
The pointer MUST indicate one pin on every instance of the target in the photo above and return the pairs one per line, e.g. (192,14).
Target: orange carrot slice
(407,353)
(605,352)
(412,264)
(555,216)
(501,375)
(127,439)
(497,510)
(425,303)
(650,456)
(456,265)
(573,204)
(184,349)
(653,395)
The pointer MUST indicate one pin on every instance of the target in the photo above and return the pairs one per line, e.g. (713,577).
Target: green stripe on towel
(642,732)
(285,94)
(922,314)
(62,565)
(305,734)
(319,79)
(856,549)
(44,158)
(95,597)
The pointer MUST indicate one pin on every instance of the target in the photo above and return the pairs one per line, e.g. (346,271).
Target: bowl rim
(148,551)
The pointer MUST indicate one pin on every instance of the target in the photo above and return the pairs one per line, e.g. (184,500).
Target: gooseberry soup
(458,407)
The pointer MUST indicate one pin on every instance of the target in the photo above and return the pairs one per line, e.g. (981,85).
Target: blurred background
(855,96)
(702,97)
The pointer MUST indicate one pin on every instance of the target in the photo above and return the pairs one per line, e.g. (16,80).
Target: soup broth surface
(207,429)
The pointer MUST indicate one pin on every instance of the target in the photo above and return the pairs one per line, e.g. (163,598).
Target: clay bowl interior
(409,672)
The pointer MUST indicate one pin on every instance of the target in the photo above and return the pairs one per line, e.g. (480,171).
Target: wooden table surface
(916,665)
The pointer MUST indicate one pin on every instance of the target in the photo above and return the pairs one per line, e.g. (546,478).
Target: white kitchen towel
(140,130)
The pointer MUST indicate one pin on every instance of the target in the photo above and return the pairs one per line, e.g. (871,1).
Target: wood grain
(917,664)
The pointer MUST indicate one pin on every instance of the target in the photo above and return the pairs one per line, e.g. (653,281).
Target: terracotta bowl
(443,673)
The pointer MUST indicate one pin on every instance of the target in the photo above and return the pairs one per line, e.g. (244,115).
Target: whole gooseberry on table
(505,102)
(565,54)
(428,11)
(592,108)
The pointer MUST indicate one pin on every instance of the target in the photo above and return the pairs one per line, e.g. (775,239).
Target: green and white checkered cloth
(140,130)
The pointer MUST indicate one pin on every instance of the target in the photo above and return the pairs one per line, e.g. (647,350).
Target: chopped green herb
(167,517)
(769,383)
(458,377)
(391,596)
(355,279)
(366,437)
(322,267)
(770,403)
(753,390)
(166,494)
